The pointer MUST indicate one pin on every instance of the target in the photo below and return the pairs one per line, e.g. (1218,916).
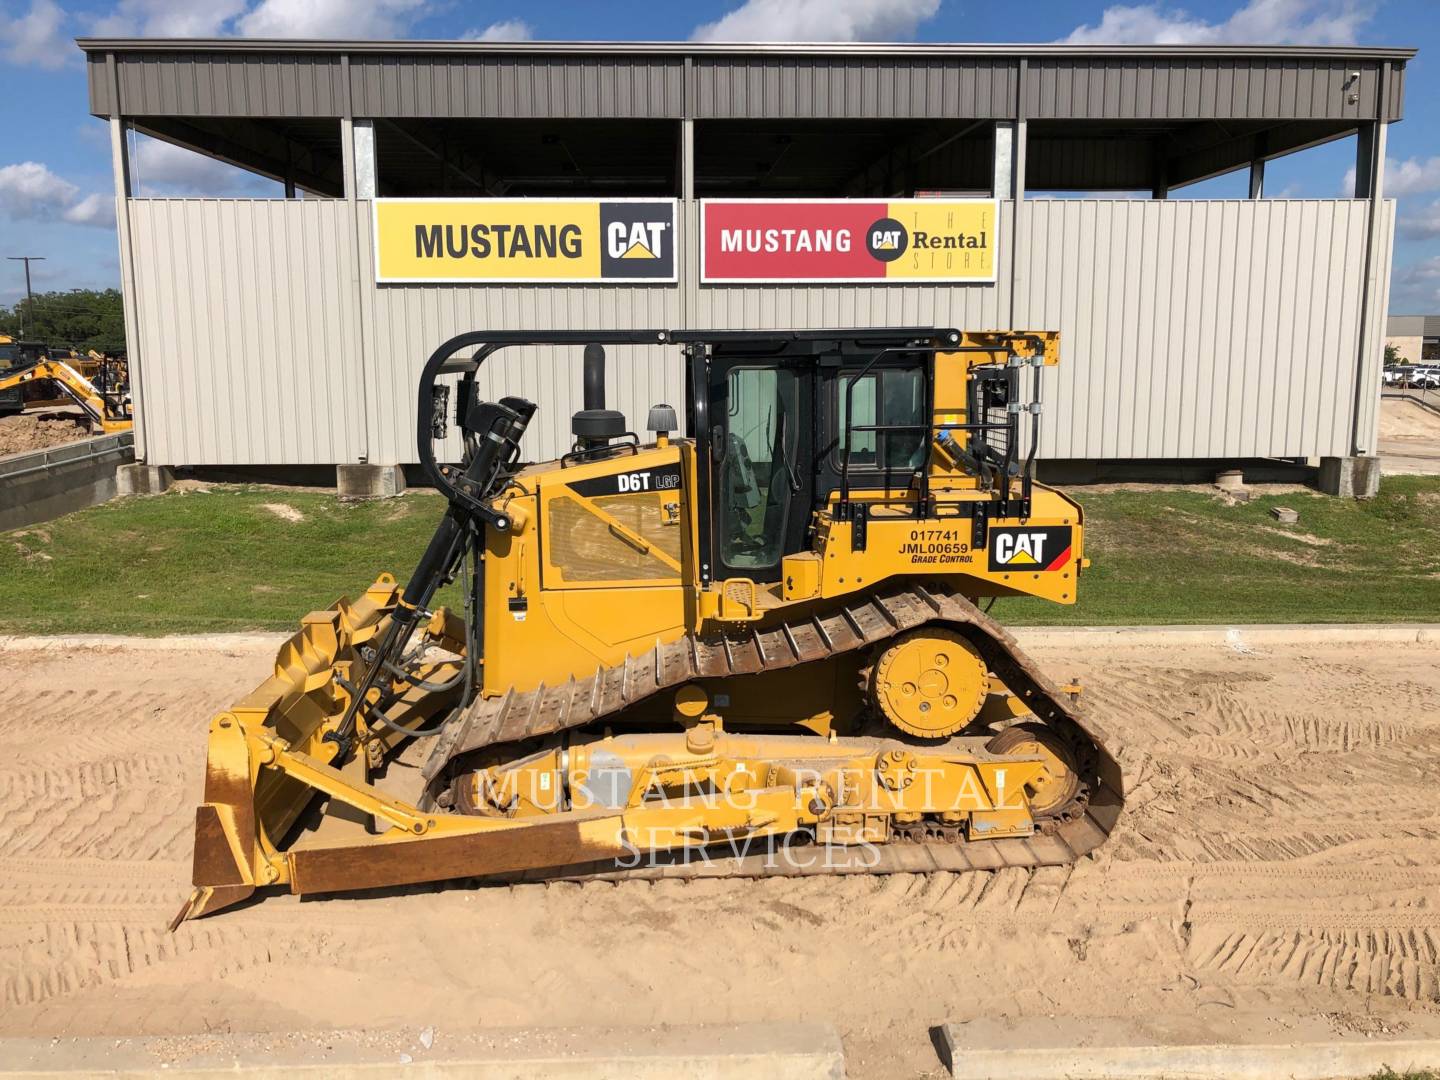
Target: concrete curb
(1302,1061)
(721,1052)
(1239,638)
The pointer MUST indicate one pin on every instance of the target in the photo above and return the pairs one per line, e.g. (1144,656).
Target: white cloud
(330,18)
(820,20)
(1416,287)
(37,37)
(267,18)
(505,30)
(162,168)
(97,210)
(1409,177)
(29,191)
(1259,22)
(168,18)
(1424,224)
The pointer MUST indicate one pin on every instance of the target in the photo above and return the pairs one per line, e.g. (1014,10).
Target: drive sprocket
(930,682)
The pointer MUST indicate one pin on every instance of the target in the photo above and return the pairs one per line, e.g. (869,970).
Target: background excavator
(103,394)
(753,650)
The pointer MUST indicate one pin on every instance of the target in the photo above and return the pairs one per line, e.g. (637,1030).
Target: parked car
(1424,378)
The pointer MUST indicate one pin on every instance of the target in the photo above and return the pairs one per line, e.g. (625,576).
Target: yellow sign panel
(518,240)
(945,241)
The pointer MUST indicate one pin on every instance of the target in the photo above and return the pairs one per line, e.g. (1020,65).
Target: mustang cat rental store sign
(848,240)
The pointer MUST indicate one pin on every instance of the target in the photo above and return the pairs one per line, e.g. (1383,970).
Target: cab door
(762,462)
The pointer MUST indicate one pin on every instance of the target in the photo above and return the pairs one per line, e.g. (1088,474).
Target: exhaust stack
(595,425)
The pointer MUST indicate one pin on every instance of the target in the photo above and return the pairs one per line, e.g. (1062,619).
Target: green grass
(194,562)
(191,562)
(1183,556)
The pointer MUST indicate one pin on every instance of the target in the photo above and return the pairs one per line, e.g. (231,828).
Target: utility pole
(29,296)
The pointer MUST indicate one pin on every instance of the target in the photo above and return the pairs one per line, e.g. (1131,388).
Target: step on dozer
(753,650)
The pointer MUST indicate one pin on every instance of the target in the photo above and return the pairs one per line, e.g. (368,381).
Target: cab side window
(884,396)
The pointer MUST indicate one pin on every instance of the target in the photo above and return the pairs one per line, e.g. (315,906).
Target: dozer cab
(752,650)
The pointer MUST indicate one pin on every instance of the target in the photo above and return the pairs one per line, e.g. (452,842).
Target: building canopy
(476,119)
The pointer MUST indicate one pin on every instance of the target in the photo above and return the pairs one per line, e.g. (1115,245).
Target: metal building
(261,332)
(1416,338)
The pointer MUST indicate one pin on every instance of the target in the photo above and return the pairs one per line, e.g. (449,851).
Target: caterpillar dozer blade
(754,650)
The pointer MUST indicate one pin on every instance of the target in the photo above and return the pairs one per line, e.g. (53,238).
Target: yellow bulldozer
(753,650)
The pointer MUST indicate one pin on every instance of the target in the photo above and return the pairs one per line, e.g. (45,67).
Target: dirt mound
(1276,869)
(40,431)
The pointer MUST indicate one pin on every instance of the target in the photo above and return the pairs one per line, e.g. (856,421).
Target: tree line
(85,318)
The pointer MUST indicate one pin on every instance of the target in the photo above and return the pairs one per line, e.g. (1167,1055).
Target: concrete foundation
(140,479)
(1070,471)
(1350,477)
(369,481)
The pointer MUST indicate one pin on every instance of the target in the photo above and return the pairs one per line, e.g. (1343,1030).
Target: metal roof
(432,79)
(693,48)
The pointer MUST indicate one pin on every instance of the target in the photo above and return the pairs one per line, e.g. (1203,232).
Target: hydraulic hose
(467,674)
(429,687)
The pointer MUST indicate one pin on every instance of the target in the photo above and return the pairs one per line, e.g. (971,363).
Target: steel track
(776,644)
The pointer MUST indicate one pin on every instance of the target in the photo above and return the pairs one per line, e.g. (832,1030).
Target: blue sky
(55,173)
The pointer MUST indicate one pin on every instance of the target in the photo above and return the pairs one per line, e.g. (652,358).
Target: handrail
(843,503)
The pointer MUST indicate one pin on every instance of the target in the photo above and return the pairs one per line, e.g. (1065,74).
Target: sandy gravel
(1275,878)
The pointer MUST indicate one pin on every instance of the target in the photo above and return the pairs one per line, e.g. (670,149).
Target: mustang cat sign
(848,240)
(537,240)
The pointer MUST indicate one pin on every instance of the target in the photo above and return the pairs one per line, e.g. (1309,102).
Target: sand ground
(1276,877)
(1409,437)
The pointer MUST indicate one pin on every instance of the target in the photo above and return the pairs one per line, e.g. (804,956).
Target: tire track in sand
(1281,840)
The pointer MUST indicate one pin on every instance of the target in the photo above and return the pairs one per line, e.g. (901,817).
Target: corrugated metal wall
(249,329)
(1197,329)
(307,80)
(230,84)
(510,85)
(1189,329)
(838,86)
(1220,88)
